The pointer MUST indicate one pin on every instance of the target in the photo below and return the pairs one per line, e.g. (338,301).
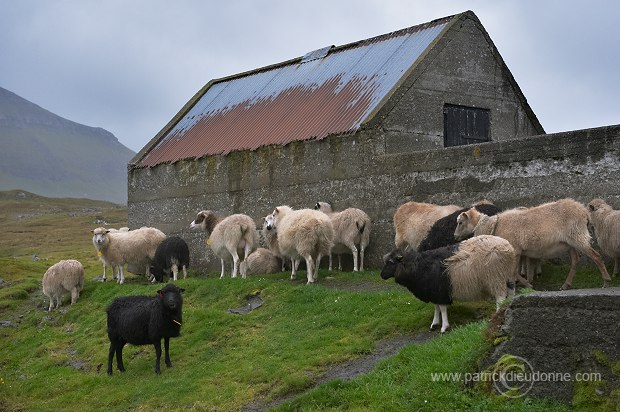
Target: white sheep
(303,233)
(606,222)
(270,236)
(228,236)
(105,266)
(413,221)
(260,262)
(539,232)
(136,247)
(475,269)
(66,276)
(351,230)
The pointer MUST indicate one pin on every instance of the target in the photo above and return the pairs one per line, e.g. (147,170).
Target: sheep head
(99,236)
(205,220)
(392,261)
(323,207)
(466,223)
(598,205)
(269,222)
(171,298)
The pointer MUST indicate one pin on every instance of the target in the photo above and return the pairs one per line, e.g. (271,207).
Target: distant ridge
(51,156)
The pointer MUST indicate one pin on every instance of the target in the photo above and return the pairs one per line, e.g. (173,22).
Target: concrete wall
(359,171)
(564,337)
(463,69)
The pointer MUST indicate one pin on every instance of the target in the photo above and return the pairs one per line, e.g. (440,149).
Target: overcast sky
(129,66)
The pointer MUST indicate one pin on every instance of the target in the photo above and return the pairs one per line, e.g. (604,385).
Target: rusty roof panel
(297,100)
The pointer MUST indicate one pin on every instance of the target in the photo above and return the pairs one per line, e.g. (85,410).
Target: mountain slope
(55,157)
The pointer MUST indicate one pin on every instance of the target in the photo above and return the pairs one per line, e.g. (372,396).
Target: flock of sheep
(443,253)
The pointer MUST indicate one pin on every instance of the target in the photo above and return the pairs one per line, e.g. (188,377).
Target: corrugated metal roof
(333,90)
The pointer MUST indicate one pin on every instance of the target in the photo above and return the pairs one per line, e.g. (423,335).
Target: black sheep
(171,255)
(442,232)
(474,269)
(142,320)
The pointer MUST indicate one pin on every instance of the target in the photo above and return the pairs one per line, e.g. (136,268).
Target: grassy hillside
(222,361)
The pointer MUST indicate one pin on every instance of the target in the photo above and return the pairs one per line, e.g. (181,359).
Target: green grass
(222,361)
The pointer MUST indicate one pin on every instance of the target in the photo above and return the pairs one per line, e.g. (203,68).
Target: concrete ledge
(570,338)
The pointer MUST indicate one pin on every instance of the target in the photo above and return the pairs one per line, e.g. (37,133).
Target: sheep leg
(235,257)
(309,269)
(222,273)
(51,304)
(362,258)
(167,350)
(148,274)
(175,271)
(58,301)
(354,252)
(330,261)
(75,294)
(121,274)
(444,318)
(104,274)
(573,269)
(294,266)
(184,272)
(435,318)
(317,265)
(596,258)
(119,356)
(157,345)
(340,263)
(111,357)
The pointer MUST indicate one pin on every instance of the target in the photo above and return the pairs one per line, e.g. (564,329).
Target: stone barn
(429,113)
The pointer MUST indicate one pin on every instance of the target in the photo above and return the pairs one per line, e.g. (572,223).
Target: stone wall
(569,339)
(357,171)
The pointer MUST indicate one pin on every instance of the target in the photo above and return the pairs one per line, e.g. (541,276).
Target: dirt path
(350,369)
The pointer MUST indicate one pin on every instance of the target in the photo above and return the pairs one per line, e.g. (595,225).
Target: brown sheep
(539,232)
(606,222)
(413,220)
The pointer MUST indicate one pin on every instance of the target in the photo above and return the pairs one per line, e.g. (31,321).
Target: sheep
(441,232)
(260,262)
(142,320)
(539,232)
(303,233)
(271,238)
(351,229)
(606,222)
(474,269)
(171,254)
(136,246)
(105,266)
(413,220)
(66,276)
(228,236)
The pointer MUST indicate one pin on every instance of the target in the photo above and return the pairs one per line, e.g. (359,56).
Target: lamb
(260,262)
(351,229)
(474,269)
(442,232)
(228,236)
(303,233)
(606,222)
(171,254)
(142,320)
(412,222)
(66,276)
(136,246)
(539,232)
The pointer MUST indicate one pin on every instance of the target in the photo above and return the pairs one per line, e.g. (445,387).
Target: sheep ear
(317,206)
(160,293)
(399,257)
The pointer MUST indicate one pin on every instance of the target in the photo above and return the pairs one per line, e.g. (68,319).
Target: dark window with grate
(465,125)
